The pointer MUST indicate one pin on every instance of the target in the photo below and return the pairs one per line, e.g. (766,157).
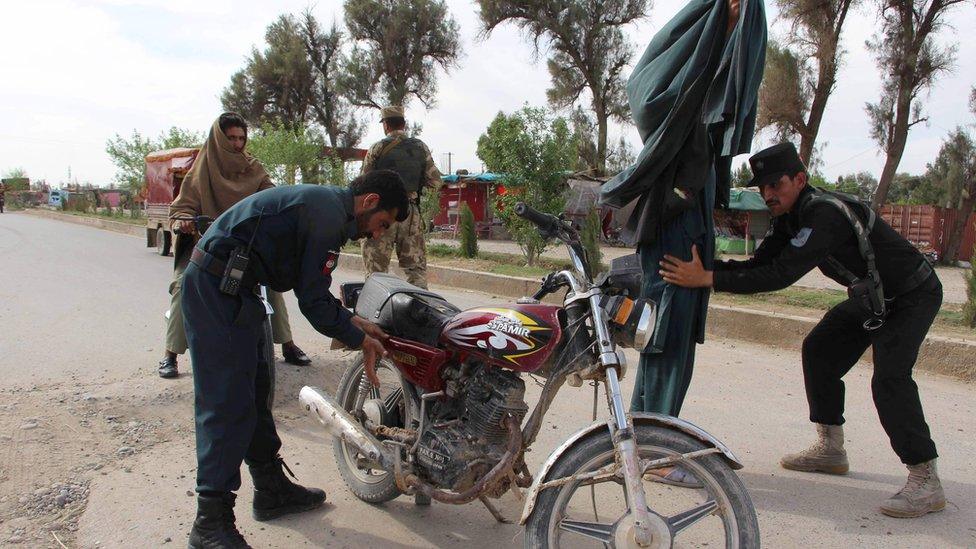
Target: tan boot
(921,495)
(827,455)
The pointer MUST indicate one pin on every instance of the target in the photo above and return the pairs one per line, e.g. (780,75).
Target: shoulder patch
(331,262)
(801,237)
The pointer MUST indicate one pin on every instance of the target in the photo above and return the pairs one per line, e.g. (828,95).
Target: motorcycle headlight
(632,321)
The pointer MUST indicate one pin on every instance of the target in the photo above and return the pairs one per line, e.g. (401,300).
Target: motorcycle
(449,421)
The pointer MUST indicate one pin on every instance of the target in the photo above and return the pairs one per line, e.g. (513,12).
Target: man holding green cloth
(693,96)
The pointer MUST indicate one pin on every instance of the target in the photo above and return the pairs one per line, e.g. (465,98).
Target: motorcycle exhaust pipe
(340,424)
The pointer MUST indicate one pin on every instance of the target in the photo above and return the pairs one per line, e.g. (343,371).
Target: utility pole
(449,155)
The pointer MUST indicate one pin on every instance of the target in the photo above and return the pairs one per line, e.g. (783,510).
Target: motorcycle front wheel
(596,514)
(384,405)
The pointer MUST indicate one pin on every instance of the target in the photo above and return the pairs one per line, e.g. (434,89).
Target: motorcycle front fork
(622,433)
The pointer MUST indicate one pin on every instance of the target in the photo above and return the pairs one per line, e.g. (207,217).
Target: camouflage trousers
(175,339)
(407,237)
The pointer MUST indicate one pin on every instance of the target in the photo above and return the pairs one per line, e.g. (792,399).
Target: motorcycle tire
(371,488)
(542,527)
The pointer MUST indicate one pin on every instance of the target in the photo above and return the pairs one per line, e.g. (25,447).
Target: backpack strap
(390,146)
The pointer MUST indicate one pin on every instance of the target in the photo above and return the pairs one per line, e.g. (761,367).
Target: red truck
(164,175)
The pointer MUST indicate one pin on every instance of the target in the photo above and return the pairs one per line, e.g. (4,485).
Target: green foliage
(910,57)
(954,169)
(742,176)
(286,153)
(592,231)
(467,233)
(15,173)
(533,149)
(276,85)
(330,106)
(129,153)
(430,205)
(399,46)
(861,184)
(969,309)
(589,55)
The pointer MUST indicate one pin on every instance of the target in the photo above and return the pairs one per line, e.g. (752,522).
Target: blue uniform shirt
(297,233)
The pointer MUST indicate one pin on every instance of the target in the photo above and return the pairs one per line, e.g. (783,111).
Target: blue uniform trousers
(233,380)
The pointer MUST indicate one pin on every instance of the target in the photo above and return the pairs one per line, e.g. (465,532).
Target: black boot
(214,527)
(276,496)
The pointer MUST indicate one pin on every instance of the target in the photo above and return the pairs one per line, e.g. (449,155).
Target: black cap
(770,164)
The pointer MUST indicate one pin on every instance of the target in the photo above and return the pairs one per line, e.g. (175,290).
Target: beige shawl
(220,177)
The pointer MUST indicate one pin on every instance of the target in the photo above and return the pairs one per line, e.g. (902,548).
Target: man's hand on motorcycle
(370,329)
(373,351)
(185,226)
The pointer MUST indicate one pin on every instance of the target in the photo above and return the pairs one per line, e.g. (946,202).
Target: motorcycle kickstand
(494,511)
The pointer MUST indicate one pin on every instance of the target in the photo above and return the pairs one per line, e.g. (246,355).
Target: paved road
(954,285)
(80,318)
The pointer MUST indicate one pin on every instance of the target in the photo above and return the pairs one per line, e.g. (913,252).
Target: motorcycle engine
(465,437)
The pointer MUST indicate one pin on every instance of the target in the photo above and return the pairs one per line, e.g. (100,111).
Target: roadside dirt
(55,439)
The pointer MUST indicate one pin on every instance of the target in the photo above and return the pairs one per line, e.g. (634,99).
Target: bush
(469,238)
(969,309)
(533,149)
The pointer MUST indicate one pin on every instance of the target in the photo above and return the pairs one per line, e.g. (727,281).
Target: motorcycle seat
(404,310)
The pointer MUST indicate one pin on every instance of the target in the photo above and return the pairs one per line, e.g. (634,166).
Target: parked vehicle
(449,420)
(164,175)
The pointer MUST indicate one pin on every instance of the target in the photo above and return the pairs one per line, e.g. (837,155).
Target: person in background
(222,175)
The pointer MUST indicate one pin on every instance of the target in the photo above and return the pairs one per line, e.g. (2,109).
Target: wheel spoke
(593,530)
(392,400)
(686,519)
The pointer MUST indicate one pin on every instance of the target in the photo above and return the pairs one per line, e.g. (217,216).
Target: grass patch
(950,315)
(111,217)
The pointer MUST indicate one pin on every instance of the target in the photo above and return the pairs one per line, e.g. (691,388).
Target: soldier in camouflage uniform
(411,159)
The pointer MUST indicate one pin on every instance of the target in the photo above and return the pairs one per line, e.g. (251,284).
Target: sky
(76,73)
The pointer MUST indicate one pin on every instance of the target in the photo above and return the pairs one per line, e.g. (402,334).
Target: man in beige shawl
(222,175)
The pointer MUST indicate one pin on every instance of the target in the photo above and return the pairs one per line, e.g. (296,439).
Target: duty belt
(914,280)
(215,266)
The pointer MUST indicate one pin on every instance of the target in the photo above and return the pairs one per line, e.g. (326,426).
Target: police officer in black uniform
(283,238)
(894,296)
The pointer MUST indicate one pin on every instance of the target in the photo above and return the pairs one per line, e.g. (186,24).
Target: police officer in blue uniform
(286,238)
(894,295)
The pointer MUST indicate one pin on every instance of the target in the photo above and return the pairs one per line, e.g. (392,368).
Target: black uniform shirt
(296,246)
(796,246)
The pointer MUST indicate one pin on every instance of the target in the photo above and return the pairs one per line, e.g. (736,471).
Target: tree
(802,73)
(742,176)
(533,149)
(285,152)
(955,168)
(15,173)
(589,52)
(915,189)
(910,61)
(331,110)
(400,45)
(276,85)
(861,184)
(129,154)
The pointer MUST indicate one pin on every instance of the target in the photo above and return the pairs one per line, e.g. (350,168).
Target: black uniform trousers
(837,343)
(233,380)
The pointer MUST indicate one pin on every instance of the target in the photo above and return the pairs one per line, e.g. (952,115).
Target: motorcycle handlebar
(545,222)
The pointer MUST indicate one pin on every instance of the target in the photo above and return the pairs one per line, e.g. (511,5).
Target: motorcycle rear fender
(638,418)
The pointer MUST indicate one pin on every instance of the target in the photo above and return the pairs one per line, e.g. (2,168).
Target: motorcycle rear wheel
(562,512)
(370,485)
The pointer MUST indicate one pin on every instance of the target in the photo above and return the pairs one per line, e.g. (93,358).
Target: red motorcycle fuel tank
(517,337)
